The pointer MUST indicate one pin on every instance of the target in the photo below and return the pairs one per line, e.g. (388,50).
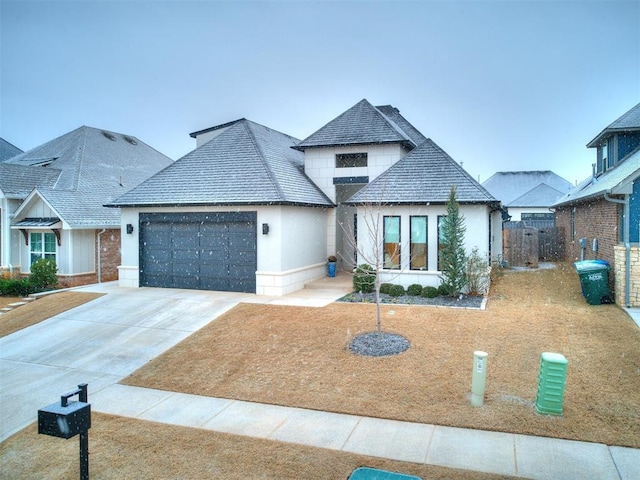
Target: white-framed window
(42,245)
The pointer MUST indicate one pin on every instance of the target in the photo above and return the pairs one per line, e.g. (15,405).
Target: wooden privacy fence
(525,246)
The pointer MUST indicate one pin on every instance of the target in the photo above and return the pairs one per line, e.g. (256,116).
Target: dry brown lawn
(299,357)
(122,448)
(45,307)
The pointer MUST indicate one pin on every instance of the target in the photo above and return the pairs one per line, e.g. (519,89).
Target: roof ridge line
(394,125)
(263,160)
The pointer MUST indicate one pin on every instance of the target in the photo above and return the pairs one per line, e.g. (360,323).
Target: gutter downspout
(100,255)
(627,244)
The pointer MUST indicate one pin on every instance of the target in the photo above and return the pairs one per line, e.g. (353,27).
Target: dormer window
(351,160)
(605,163)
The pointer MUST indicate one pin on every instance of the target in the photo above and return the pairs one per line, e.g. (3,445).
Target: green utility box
(551,382)
(365,473)
(594,280)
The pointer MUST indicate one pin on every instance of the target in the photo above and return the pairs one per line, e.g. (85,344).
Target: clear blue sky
(501,86)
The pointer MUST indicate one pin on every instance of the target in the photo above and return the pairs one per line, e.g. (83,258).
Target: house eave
(423,203)
(607,132)
(217,204)
(406,143)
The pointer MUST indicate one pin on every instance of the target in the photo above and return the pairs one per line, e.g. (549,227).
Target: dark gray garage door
(203,251)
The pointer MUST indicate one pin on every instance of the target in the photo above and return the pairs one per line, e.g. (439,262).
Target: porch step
(342,281)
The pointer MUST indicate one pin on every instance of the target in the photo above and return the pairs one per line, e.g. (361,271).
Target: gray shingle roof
(247,164)
(540,196)
(425,175)
(364,124)
(7,150)
(511,186)
(95,166)
(628,122)
(17,181)
(622,174)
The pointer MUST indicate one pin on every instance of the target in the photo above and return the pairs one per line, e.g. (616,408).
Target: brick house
(52,197)
(601,216)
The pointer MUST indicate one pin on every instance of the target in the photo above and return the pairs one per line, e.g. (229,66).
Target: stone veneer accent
(634,275)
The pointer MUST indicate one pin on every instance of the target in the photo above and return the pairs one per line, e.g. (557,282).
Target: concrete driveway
(105,340)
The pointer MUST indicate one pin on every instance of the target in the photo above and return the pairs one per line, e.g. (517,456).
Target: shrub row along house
(254,210)
(52,197)
(601,216)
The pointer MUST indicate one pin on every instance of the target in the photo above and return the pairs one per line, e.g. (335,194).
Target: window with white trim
(42,245)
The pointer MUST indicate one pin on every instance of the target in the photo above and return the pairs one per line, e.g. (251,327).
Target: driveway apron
(97,343)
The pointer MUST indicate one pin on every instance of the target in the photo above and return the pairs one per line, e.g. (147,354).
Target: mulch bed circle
(378,344)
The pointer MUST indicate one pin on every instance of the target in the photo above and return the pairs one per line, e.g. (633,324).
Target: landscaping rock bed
(464,301)
(374,344)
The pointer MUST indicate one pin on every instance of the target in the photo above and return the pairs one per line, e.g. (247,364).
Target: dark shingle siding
(425,175)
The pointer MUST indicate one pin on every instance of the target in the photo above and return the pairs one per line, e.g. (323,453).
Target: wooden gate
(525,246)
(520,247)
(550,243)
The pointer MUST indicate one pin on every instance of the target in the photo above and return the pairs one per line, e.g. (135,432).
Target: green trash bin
(594,280)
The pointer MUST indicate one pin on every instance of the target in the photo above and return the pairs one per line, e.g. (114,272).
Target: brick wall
(110,257)
(634,275)
(597,218)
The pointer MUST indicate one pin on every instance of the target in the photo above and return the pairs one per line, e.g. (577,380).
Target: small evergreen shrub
(364,279)
(384,288)
(414,290)
(430,292)
(444,290)
(396,290)
(43,274)
(15,287)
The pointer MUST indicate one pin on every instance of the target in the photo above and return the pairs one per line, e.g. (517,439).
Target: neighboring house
(7,150)
(51,202)
(528,196)
(604,210)
(254,210)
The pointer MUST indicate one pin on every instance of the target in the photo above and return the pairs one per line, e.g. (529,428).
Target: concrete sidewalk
(482,451)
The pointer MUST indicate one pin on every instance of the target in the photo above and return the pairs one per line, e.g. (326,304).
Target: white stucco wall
(320,163)
(291,254)
(477,235)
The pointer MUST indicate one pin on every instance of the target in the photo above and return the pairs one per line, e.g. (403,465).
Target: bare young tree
(374,253)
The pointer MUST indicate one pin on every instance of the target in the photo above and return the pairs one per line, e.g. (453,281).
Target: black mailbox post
(68,419)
